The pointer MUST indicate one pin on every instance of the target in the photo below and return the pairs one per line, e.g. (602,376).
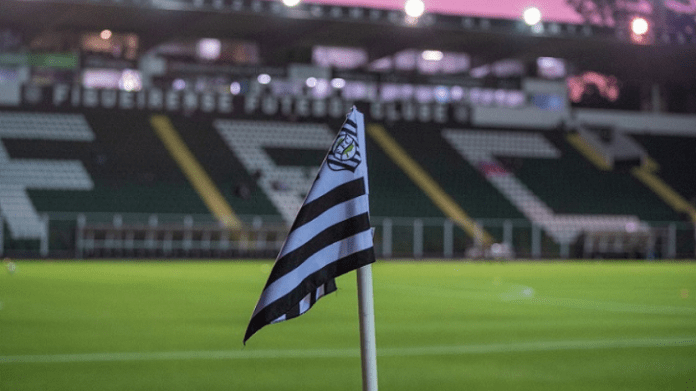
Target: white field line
(249,354)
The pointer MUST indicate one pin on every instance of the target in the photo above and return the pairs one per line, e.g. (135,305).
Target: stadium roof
(281,33)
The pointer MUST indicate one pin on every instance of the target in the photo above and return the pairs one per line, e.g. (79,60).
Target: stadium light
(209,48)
(531,16)
(291,3)
(442,94)
(105,34)
(432,55)
(311,82)
(457,93)
(639,26)
(179,84)
(130,80)
(414,8)
(338,83)
(264,78)
(235,88)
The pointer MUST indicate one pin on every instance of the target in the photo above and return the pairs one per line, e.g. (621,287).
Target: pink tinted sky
(553,10)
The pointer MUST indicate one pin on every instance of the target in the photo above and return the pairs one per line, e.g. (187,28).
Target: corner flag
(331,234)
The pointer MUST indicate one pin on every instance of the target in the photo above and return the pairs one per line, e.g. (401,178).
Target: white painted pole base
(368,346)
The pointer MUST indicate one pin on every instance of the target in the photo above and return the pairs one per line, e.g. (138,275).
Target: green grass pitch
(167,325)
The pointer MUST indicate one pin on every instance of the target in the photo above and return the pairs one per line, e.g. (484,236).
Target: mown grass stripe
(248,354)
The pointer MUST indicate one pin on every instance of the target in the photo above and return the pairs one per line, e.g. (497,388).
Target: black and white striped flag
(331,234)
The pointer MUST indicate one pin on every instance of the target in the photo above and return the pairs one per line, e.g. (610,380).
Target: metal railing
(75,235)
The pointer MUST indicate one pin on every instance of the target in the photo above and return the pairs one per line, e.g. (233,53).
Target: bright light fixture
(130,80)
(291,3)
(432,55)
(264,78)
(338,83)
(414,8)
(235,88)
(532,16)
(179,84)
(457,93)
(311,82)
(442,94)
(105,34)
(639,26)
(209,48)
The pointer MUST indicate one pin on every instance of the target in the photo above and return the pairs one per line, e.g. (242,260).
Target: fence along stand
(386,238)
(507,233)
(565,251)
(44,237)
(672,241)
(448,239)
(417,238)
(151,234)
(79,246)
(536,241)
(2,236)
(188,234)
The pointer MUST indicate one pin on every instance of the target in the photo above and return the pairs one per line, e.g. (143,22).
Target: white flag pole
(366,312)
(368,346)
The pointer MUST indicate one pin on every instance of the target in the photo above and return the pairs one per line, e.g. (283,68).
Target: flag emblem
(330,236)
(345,153)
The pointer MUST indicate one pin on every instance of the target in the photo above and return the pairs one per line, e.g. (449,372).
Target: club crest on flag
(345,153)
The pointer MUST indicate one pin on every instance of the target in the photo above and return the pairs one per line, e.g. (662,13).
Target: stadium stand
(238,185)
(675,156)
(571,185)
(286,186)
(392,193)
(131,171)
(114,164)
(20,174)
(458,178)
(127,142)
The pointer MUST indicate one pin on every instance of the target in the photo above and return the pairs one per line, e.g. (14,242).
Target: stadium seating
(18,174)
(131,170)
(676,156)
(238,185)
(111,162)
(286,186)
(573,185)
(46,126)
(502,157)
(457,177)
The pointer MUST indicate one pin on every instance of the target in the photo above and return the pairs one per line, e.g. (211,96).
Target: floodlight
(442,94)
(130,80)
(338,83)
(264,78)
(414,8)
(639,26)
(532,16)
(457,93)
(291,3)
(105,34)
(209,48)
(179,84)
(235,88)
(432,55)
